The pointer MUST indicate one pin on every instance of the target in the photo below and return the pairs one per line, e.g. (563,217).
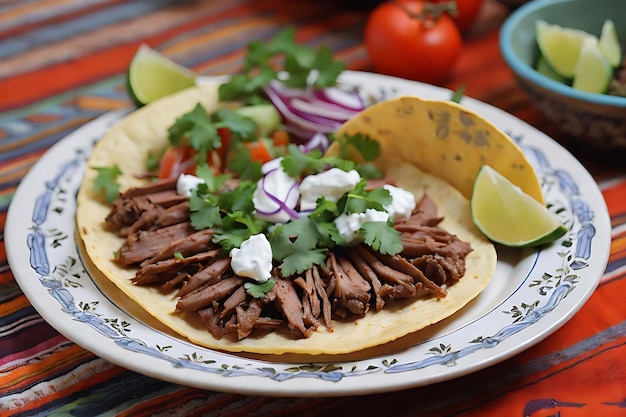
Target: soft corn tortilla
(144,131)
(444,139)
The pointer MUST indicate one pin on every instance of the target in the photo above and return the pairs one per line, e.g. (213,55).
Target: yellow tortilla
(128,143)
(444,139)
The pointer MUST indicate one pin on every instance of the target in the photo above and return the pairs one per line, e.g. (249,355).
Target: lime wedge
(593,72)
(543,68)
(152,75)
(560,46)
(609,44)
(506,215)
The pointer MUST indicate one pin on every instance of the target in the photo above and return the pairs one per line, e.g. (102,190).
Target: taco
(364,308)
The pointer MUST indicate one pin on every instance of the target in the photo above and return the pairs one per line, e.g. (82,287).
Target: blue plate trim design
(62,279)
(56,263)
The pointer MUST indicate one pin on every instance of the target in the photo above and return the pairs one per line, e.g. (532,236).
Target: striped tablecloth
(62,64)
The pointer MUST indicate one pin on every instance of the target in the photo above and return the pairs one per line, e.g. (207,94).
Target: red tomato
(402,44)
(467,11)
(175,161)
(226,137)
(280,138)
(258,151)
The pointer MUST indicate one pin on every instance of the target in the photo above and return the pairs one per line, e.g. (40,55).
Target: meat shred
(154,222)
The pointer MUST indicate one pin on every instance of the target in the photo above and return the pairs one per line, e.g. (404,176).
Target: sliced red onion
(318,141)
(349,100)
(306,112)
(276,195)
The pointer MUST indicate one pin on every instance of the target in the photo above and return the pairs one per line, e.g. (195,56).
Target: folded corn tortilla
(145,131)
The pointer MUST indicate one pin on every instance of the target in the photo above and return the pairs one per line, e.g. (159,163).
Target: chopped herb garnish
(302,66)
(259,290)
(106,182)
(212,182)
(368,148)
(197,129)
(458,94)
(236,228)
(200,130)
(203,211)
(359,199)
(242,165)
(298,163)
(297,245)
(382,237)
(152,162)
(178,255)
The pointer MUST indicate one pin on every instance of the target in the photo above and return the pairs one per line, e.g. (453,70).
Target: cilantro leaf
(328,68)
(213,182)
(241,85)
(294,244)
(204,212)
(359,199)
(197,128)
(369,171)
(241,164)
(298,63)
(238,199)
(106,182)
(368,148)
(382,237)
(240,126)
(259,290)
(152,162)
(236,228)
(297,163)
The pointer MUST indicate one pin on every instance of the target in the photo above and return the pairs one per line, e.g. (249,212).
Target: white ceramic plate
(532,294)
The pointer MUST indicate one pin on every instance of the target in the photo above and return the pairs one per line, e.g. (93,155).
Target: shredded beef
(169,252)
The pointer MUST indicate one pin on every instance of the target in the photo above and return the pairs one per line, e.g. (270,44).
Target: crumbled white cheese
(186,183)
(402,204)
(274,189)
(253,259)
(331,184)
(348,225)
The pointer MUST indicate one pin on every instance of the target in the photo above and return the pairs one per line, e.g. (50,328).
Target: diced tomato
(226,137)
(258,151)
(179,160)
(280,138)
(215,161)
(175,161)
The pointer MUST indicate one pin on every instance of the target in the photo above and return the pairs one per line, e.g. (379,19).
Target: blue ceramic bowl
(598,120)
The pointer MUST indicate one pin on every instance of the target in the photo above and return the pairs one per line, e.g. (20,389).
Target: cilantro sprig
(230,213)
(298,163)
(304,242)
(302,66)
(200,130)
(106,182)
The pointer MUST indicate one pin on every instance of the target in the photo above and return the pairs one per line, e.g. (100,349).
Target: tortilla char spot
(466,119)
(466,136)
(406,110)
(481,138)
(458,158)
(442,131)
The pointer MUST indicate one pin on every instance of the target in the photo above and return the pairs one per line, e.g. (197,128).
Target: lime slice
(543,68)
(560,46)
(609,44)
(593,72)
(507,215)
(152,75)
